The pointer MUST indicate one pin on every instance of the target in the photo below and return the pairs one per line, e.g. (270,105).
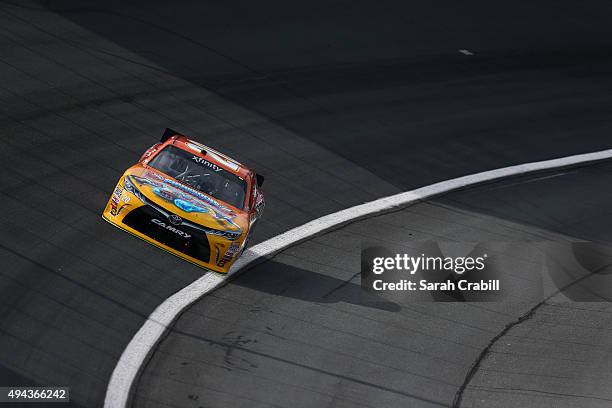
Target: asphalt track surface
(298,331)
(336,104)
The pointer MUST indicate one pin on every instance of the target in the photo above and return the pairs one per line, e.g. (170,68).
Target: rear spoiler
(168,133)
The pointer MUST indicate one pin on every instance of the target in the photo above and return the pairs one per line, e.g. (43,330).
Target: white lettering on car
(170,228)
(206,163)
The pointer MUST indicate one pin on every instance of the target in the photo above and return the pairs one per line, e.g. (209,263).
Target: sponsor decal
(212,166)
(164,193)
(170,228)
(187,199)
(189,207)
(147,155)
(172,196)
(123,207)
(149,152)
(199,147)
(199,195)
(231,251)
(115,200)
(186,189)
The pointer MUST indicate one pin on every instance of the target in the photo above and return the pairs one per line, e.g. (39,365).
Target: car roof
(210,154)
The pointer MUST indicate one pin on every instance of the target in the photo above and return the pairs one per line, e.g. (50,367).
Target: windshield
(200,174)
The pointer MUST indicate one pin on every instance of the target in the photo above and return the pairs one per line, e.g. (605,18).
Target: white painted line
(466,52)
(145,340)
(507,185)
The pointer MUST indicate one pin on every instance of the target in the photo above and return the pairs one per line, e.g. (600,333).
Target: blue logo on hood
(188,207)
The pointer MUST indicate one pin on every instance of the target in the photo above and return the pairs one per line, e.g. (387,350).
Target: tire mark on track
(319,370)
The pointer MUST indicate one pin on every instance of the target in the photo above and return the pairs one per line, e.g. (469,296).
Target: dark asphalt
(335,103)
(297,331)
(384,85)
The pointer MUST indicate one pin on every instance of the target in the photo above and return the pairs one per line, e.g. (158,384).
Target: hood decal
(187,199)
(189,207)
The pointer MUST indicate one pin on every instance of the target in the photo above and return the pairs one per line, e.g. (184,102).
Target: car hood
(188,203)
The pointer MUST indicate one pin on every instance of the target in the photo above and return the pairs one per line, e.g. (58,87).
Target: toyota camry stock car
(189,200)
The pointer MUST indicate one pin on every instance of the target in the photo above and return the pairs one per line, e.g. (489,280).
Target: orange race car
(189,200)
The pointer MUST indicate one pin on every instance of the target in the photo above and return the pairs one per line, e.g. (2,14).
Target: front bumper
(193,243)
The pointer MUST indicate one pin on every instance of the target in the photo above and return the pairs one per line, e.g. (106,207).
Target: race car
(190,201)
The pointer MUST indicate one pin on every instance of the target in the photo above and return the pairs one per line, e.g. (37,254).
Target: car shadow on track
(279,279)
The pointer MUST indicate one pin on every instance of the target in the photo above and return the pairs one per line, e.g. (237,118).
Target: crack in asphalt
(526,316)
(485,352)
